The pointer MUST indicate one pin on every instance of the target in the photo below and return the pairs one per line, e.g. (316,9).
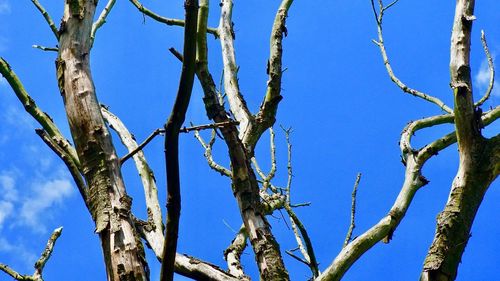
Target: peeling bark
(108,200)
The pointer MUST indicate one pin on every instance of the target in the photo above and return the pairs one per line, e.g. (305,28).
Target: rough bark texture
(108,200)
(478,160)
(244,183)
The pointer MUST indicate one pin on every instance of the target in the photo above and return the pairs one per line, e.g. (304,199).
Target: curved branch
(208,154)
(399,83)
(491,67)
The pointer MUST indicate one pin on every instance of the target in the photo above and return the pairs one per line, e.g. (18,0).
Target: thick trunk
(108,200)
(477,168)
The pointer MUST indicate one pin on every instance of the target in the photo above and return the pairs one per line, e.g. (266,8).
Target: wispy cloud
(4,7)
(20,119)
(482,79)
(45,195)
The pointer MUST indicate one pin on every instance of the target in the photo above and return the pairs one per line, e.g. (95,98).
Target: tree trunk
(108,200)
(478,160)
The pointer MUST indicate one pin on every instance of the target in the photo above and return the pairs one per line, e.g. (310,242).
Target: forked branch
(40,263)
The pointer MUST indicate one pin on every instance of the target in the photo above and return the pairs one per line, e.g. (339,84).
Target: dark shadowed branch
(352,224)
(172,128)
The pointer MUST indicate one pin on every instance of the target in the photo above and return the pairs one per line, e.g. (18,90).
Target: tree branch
(172,128)
(266,116)
(399,83)
(47,18)
(46,49)
(231,85)
(30,106)
(153,229)
(102,19)
(40,263)
(208,154)
(233,254)
(352,224)
(167,21)
(491,67)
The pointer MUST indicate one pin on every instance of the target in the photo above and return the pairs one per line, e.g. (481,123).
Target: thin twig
(208,154)
(352,224)
(102,19)
(399,83)
(491,67)
(47,49)
(142,145)
(208,126)
(167,21)
(47,18)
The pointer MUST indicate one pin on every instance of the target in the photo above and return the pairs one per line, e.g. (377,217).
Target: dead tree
(96,168)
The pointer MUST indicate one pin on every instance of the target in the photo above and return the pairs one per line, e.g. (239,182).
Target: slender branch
(102,19)
(266,179)
(491,67)
(267,113)
(291,254)
(153,228)
(47,18)
(399,83)
(167,21)
(46,49)
(142,145)
(14,274)
(172,128)
(208,126)
(208,154)
(352,224)
(73,169)
(30,106)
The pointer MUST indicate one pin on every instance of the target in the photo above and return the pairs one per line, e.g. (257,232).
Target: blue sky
(345,112)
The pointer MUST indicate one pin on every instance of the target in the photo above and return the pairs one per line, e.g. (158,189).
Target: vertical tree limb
(172,128)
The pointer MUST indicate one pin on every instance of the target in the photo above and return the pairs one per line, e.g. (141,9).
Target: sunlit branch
(233,254)
(46,49)
(399,83)
(30,106)
(231,85)
(491,68)
(153,228)
(352,224)
(47,18)
(101,19)
(266,179)
(167,21)
(266,116)
(208,154)
(40,263)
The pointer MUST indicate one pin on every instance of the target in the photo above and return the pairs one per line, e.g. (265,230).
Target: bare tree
(96,168)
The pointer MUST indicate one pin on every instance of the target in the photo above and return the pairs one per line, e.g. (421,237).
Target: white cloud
(4,7)
(482,79)
(6,209)
(45,196)
(20,119)
(7,187)
(19,252)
